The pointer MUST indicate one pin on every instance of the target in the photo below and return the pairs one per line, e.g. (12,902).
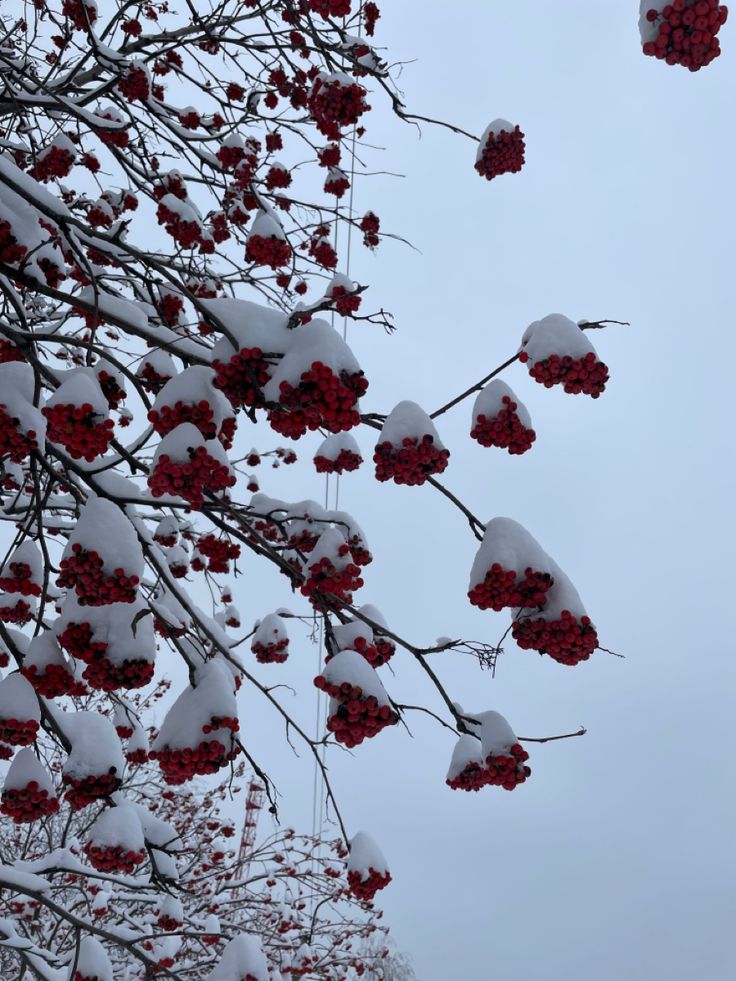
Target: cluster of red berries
(504,430)
(568,640)
(187,233)
(111,389)
(268,250)
(18,732)
(322,251)
(218,551)
(369,226)
(83,572)
(345,461)
(345,303)
(180,765)
(371,13)
(412,462)
(169,924)
(584,375)
(104,675)
(503,153)
(151,380)
(199,414)
(55,162)
(20,581)
(334,104)
(90,789)
(77,639)
(29,803)
(359,719)
(134,86)
(81,14)
(273,653)
(77,429)
(367,888)
(19,612)
(330,8)
(136,756)
(190,480)
(242,378)
(322,399)
(115,858)
(337,183)
(504,587)
(14,444)
(54,681)
(505,770)
(325,579)
(117,136)
(277,176)
(686,32)
(10,250)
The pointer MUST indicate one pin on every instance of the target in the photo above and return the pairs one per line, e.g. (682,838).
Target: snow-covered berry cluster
(336,101)
(114,858)
(79,429)
(83,791)
(202,473)
(321,399)
(683,32)
(409,448)
(500,419)
(558,353)
(29,803)
(359,707)
(501,150)
(490,755)
(270,642)
(568,639)
(366,888)
(510,588)
(180,765)
(242,377)
(219,552)
(83,571)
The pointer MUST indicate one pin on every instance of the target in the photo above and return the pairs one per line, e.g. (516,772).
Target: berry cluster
(345,303)
(275,653)
(243,377)
(54,162)
(502,153)
(366,888)
(29,803)
(88,790)
(15,444)
(168,923)
(324,578)
(686,32)
(79,430)
(568,640)
(345,461)
(186,232)
(134,85)
(79,13)
(359,719)
(584,375)
(104,675)
(471,777)
(83,572)
(20,581)
(111,389)
(18,732)
(218,552)
(268,250)
(335,104)
(330,8)
(11,252)
(180,765)
(190,480)
(504,430)
(199,414)
(114,858)
(19,613)
(336,183)
(54,681)
(507,771)
(370,224)
(322,399)
(504,587)
(412,462)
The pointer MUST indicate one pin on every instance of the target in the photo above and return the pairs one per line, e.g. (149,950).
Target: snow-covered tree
(176,203)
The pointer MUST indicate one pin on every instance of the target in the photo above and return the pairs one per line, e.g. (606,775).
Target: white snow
(331,447)
(27,768)
(352,667)
(96,748)
(555,334)
(18,699)
(93,961)
(496,735)
(408,420)
(507,542)
(241,957)
(103,528)
(118,827)
(314,341)
(366,855)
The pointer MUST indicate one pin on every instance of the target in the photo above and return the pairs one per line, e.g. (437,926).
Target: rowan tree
(176,211)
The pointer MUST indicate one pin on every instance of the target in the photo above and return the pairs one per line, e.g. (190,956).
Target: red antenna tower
(253,806)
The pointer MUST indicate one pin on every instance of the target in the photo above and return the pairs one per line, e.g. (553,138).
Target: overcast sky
(616,859)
